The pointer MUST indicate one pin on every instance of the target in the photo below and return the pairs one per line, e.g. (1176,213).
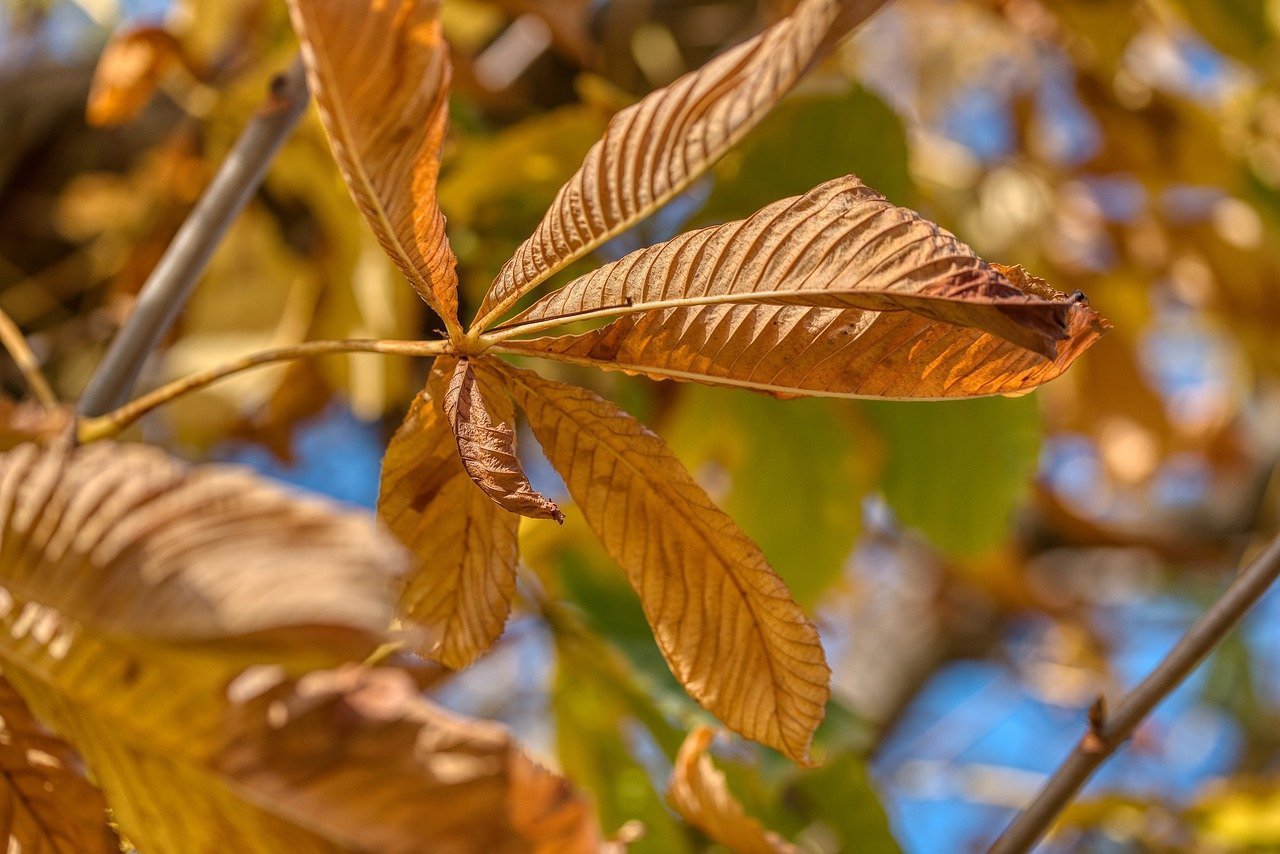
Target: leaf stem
(12,339)
(110,424)
(1108,731)
(173,279)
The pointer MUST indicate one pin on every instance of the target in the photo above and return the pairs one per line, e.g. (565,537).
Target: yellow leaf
(381,75)
(655,149)
(724,620)
(48,804)
(841,246)
(482,426)
(464,545)
(135,589)
(698,792)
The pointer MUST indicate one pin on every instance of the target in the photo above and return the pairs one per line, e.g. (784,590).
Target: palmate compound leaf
(840,246)
(464,545)
(46,806)
(723,619)
(167,620)
(699,792)
(658,147)
(380,73)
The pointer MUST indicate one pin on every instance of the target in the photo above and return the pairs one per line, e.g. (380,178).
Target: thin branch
(1107,731)
(12,339)
(172,281)
(108,425)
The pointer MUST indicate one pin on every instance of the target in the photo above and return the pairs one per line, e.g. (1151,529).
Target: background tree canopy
(979,570)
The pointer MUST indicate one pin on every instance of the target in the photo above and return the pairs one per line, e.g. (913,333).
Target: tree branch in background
(12,339)
(1108,731)
(171,283)
(111,423)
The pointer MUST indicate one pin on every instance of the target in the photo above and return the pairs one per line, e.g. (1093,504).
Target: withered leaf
(129,72)
(698,792)
(47,804)
(376,767)
(841,246)
(724,620)
(134,542)
(482,424)
(658,147)
(793,350)
(381,73)
(464,545)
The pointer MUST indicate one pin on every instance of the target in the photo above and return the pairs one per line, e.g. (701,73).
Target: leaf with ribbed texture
(380,73)
(483,425)
(653,150)
(699,792)
(725,622)
(135,588)
(464,545)
(841,246)
(47,806)
(793,350)
(378,768)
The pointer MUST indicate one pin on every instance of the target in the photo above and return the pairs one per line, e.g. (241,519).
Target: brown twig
(171,282)
(108,425)
(1107,731)
(12,339)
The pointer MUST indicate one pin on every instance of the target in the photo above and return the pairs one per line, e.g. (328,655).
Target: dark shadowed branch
(170,284)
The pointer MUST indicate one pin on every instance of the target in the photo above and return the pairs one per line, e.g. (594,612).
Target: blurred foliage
(1128,149)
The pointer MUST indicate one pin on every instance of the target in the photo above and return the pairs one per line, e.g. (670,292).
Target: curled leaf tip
(481,423)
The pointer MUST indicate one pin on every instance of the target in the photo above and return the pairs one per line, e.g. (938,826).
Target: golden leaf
(841,246)
(381,75)
(482,426)
(654,149)
(48,805)
(698,792)
(794,350)
(135,589)
(724,620)
(128,74)
(378,768)
(464,544)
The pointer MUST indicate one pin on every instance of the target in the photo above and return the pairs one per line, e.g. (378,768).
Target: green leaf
(807,141)
(792,473)
(957,470)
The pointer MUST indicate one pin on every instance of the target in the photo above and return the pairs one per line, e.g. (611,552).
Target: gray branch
(1109,730)
(170,284)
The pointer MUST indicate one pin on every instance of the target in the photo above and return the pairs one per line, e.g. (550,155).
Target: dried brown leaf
(724,620)
(376,767)
(465,549)
(841,246)
(482,424)
(653,150)
(133,542)
(129,72)
(381,73)
(47,806)
(794,350)
(698,792)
